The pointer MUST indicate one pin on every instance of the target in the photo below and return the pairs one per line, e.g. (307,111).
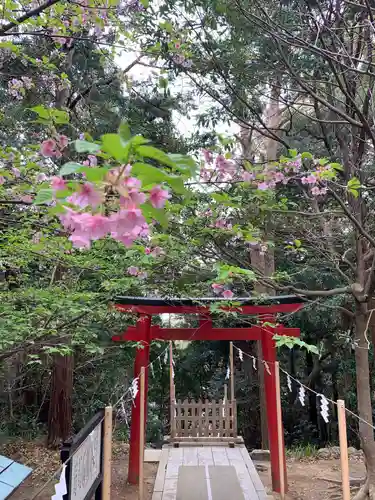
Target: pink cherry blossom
(158,196)
(27,198)
(217,287)
(96,226)
(262,186)
(248,176)
(145,230)
(311,179)
(93,161)
(58,183)
(48,148)
(279,177)
(16,171)
(127,169)
(323,190)
(315,191)
(80,240)
(2,180)
(207,155)
(41,177)
(147,250)
(86,196)
(228,294)
(304,180)
(134,198)
(133,271)
(157,251)
(132,182)
(220,224)
(63,141)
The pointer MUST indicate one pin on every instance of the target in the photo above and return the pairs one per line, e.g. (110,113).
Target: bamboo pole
(107,453)
(280,443)
(142,433)
(343,450)
(231,364)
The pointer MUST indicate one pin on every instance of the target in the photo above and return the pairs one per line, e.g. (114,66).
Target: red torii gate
(144,333)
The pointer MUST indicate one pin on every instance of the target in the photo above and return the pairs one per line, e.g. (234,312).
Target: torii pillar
(142,358)
(269,356)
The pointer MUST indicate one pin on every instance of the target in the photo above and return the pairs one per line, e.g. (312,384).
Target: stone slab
(152,455)
(192,483)
(224,483)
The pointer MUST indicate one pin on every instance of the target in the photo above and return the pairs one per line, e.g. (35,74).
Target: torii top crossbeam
(263,330)
(249,306)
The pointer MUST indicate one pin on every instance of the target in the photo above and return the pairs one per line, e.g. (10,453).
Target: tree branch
(31,13)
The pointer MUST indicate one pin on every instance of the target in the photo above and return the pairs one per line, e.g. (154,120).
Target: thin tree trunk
(364,396)
(60,406)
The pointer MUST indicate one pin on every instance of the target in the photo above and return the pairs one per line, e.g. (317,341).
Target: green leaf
(307,155)
(94,174)
(163,82)
(124,131)
(155,154)
(86,147)
(297,243)
(353,186)
(43,196)
(112,144)
(138,140)
(61,117)
(41,111)
(154,213)
(69,168)
(149,173)
(293,152)
(337,166)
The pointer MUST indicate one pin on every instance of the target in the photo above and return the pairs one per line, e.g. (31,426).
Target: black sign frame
(71,446)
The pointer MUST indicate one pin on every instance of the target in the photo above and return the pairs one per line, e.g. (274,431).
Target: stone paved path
(207,473)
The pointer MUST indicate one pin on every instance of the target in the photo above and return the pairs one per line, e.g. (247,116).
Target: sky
(184,124)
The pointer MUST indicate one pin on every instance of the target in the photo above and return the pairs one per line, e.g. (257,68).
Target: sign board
(85,454)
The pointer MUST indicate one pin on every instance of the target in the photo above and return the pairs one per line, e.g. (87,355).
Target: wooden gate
(206,421)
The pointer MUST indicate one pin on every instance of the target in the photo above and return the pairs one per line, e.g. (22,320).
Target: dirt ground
(45,462)
(312,479)
(309,479)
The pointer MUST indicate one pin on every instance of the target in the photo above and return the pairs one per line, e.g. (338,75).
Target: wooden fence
(208,419)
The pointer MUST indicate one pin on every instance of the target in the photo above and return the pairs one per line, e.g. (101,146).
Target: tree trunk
(60,406)
(366,432)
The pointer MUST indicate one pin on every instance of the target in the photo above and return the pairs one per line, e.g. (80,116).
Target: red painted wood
(271,309)
(269,354)
(141,359)
(204,332)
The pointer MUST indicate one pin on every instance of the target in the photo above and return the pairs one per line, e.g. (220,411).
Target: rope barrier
(266,363)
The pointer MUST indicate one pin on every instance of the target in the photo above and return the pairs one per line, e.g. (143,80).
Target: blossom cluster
(17,87)
(126,225)
(220,289)
(222,169)
(135,271)
(52,148)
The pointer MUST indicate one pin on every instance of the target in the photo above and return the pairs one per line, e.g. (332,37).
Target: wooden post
(343,450)
(107,453)
(280,430)
(231,365)
(225,393)
(142,434)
